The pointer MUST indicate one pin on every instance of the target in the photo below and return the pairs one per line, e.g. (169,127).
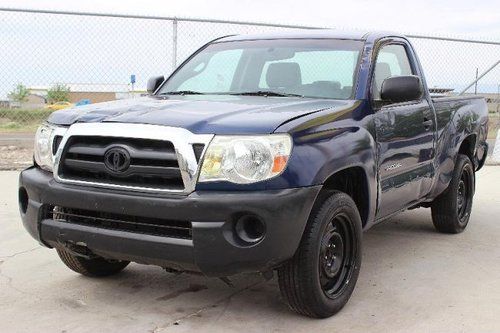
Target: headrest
(283,75)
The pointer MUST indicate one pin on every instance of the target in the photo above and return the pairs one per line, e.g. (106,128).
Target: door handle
(427,123)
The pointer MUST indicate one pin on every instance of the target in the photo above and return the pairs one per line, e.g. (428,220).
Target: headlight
(44,139)
(245,159)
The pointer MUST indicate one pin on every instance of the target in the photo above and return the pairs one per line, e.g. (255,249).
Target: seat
(283,75)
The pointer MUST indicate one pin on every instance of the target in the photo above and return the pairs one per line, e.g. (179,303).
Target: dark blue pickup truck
(259,153)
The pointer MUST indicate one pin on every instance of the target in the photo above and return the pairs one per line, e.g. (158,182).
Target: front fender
(325,153)
(328,142)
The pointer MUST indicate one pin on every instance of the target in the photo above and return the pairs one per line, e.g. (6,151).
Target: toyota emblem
(117,159)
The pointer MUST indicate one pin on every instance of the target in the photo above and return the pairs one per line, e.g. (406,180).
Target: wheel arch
(468,146)
(354,182)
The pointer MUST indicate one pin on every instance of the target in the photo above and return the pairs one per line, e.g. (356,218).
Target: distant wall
(95,97)
(33,102)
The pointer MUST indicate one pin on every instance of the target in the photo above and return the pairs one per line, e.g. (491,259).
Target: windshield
(321,68)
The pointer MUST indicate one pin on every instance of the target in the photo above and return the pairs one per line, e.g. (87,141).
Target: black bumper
(210,249)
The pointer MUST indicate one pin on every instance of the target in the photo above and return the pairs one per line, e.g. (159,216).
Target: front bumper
(211,213)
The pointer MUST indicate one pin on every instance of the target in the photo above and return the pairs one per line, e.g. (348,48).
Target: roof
(313,33)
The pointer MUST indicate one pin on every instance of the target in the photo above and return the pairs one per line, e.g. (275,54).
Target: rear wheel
(451,210)
(320,278)
(95,267)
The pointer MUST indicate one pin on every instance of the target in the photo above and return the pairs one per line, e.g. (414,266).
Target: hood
(203,114)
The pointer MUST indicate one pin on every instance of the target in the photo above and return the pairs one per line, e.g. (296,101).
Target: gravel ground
(16,150)
(15,158)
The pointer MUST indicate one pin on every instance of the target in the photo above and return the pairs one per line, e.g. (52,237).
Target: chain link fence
(81,58)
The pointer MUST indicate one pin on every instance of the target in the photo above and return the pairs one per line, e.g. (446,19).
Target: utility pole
(174,44)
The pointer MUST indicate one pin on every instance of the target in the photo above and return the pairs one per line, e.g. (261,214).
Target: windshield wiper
(265,93)
(182,92)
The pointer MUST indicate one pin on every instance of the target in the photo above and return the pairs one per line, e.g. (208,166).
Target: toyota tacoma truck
(259,153)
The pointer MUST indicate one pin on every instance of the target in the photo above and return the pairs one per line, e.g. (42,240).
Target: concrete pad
(413,279)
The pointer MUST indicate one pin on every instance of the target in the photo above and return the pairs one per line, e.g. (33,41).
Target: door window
(392,60)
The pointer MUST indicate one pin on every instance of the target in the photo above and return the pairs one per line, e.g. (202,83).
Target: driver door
(404,135)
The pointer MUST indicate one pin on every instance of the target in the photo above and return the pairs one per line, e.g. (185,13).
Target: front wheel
(94,267)
(451,209)
(320,278)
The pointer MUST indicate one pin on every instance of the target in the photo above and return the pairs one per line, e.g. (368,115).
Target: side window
(214,75)
(392,60)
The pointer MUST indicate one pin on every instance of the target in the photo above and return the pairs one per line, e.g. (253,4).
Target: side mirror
(399,89)
(154,83)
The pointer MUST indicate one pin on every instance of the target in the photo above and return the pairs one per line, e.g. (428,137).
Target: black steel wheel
(337,256)
(320,278)
(464,195)
(451,210)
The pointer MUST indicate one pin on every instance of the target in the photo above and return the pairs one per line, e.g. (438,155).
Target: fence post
(174,43)
(480,77)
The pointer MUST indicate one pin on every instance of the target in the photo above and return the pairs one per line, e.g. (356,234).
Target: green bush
(23,116)
(58,93)
(11,125)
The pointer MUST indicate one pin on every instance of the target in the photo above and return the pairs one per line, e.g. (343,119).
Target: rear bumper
(211,249)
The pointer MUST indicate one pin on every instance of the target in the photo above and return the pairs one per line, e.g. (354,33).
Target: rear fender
(458,121)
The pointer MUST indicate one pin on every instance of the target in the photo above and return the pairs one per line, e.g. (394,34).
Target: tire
(95,267)
(319,280)
(451,209)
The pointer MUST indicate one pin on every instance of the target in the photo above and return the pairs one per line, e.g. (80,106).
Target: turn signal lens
(279,163)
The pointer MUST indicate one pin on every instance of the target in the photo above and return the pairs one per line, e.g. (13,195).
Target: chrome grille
(153,163)
(160,158)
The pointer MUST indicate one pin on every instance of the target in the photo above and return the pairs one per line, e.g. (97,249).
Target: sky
(476,19)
